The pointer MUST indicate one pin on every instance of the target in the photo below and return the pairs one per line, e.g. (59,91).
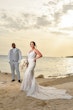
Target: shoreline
(42,76)
(42,80)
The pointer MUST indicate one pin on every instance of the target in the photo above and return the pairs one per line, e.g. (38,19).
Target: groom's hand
(9,61)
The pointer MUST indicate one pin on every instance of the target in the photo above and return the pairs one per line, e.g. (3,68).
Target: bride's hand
(35,60)
(27,64)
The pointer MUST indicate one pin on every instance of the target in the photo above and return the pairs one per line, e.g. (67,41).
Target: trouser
(15,66)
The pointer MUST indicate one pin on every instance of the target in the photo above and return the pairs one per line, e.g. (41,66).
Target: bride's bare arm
(38,53)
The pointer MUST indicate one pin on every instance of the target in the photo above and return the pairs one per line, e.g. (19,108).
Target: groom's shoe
(13,80)
(19,81)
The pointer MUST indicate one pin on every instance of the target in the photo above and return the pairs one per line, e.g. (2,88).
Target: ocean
(47,66)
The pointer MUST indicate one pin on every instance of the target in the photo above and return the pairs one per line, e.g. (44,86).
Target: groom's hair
(13,45)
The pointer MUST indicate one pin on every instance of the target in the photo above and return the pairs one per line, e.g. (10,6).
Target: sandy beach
(11,98)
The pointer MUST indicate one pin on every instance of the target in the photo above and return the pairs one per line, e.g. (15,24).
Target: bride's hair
(33,43)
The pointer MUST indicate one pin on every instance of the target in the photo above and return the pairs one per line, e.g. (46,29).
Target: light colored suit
(15,57)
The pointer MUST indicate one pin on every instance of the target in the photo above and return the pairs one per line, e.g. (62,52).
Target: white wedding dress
(30,86)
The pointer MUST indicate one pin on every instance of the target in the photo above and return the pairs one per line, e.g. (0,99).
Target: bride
(31,87)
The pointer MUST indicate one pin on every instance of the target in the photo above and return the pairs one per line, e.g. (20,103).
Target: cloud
(60,32)
(23,21)
(58,10)
(42,22)
(12,22)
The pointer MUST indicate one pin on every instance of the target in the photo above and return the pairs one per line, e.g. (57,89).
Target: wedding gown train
(30,86)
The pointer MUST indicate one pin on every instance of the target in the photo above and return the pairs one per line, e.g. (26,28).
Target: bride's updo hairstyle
(33,43)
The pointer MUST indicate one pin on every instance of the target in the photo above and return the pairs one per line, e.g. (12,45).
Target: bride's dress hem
(33,89)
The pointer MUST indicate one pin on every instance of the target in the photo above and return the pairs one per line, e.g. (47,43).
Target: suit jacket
(14,55)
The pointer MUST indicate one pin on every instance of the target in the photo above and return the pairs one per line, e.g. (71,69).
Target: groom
(15,57)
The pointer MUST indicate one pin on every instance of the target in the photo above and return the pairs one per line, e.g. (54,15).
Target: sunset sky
(48,22)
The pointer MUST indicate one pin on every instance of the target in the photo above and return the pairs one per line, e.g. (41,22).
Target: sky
(48,22)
